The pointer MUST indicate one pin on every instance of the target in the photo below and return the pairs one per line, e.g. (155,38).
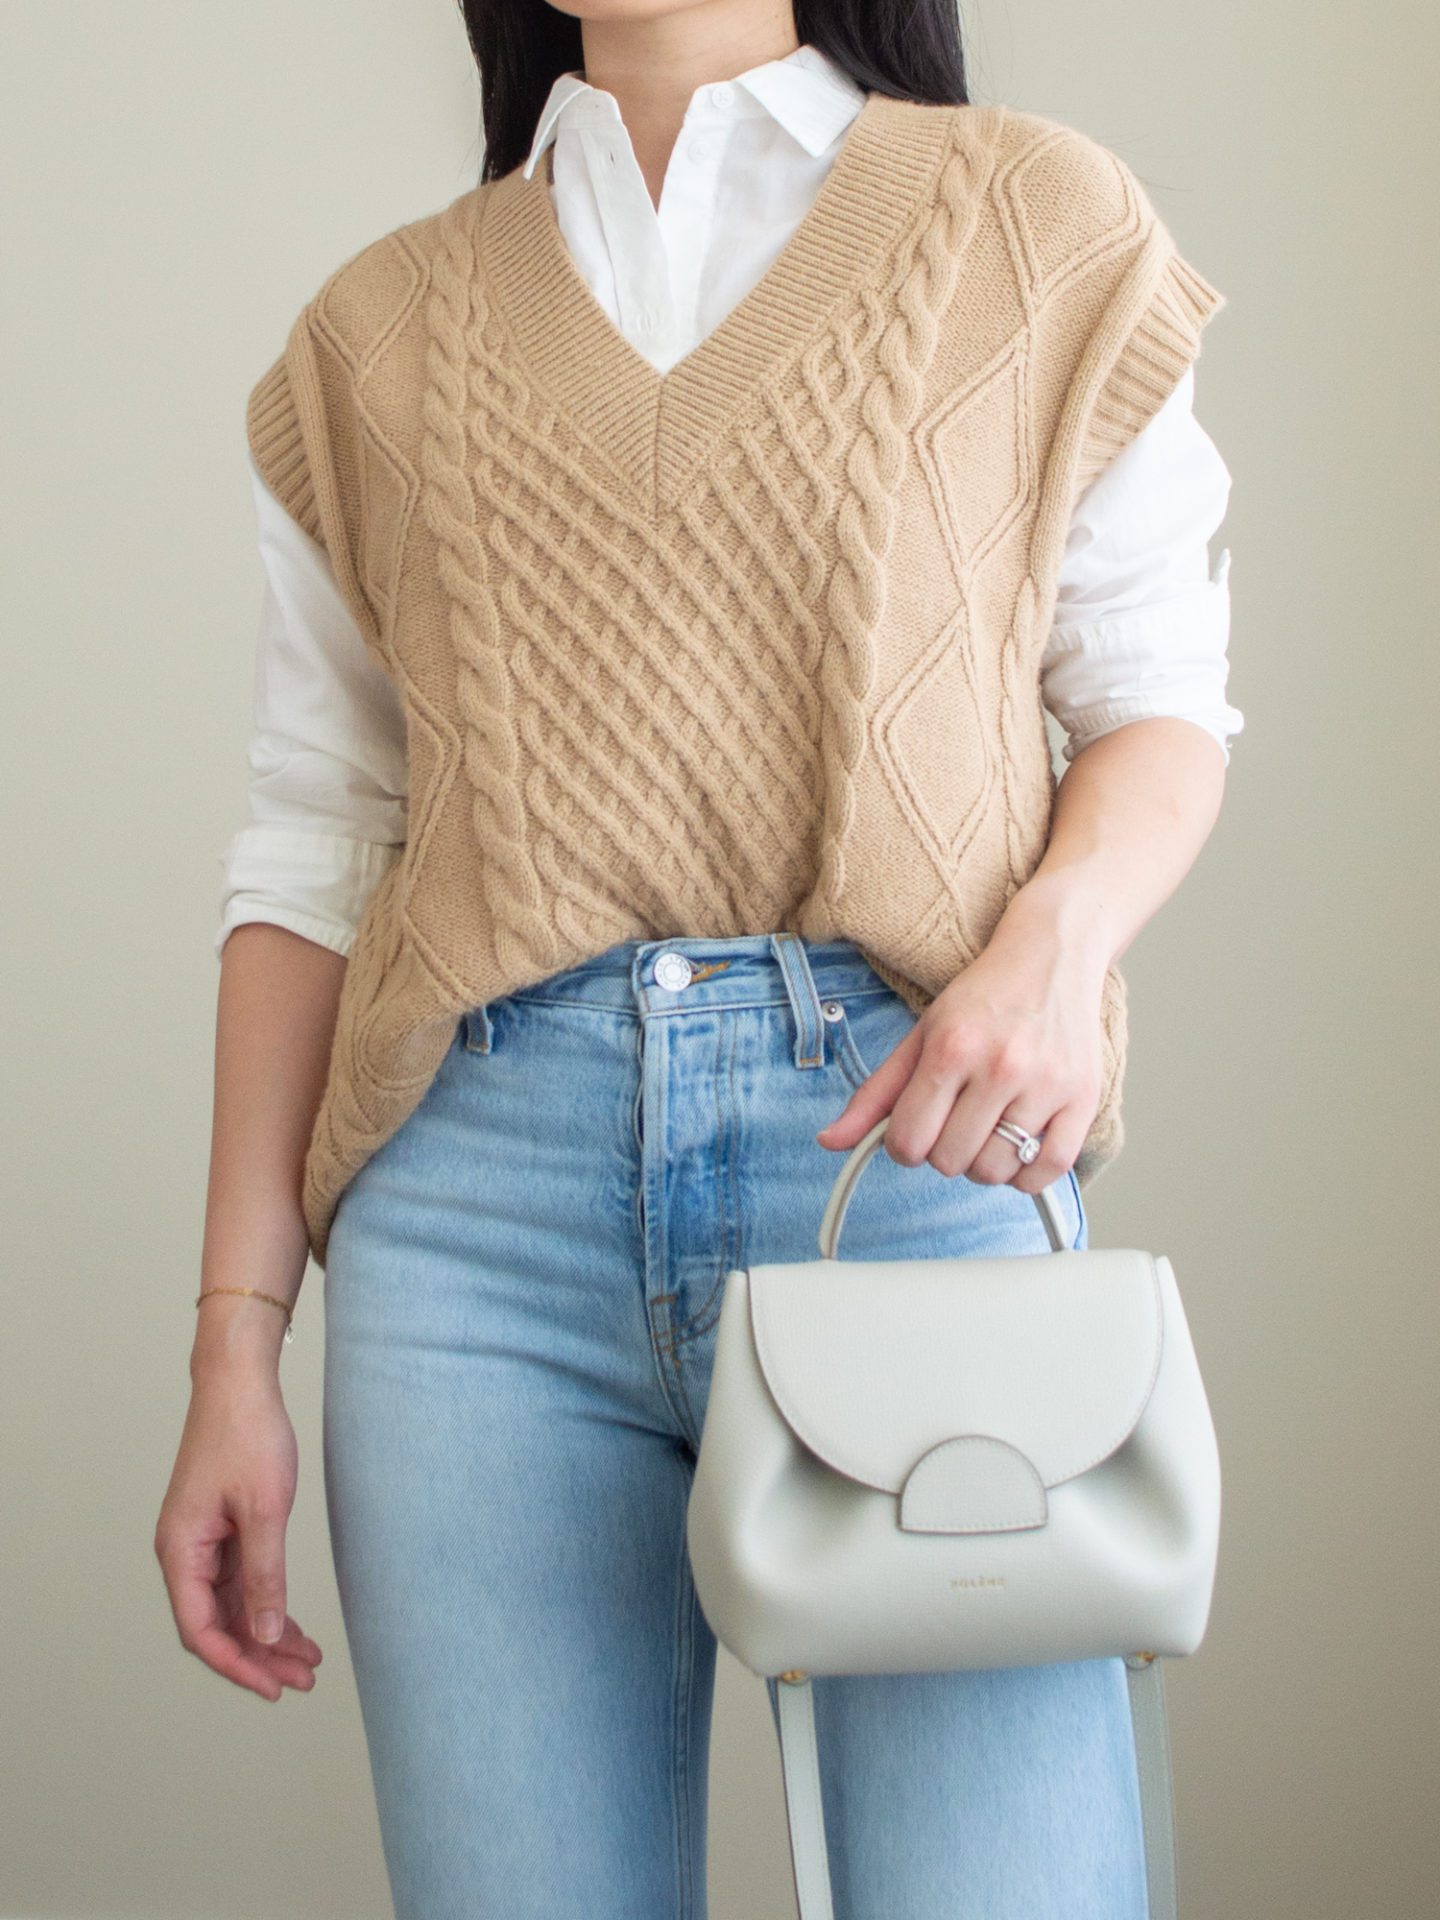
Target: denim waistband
(748,970)
(677,976)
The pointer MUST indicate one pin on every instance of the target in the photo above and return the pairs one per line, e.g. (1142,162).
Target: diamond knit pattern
(670,779)
(748,646)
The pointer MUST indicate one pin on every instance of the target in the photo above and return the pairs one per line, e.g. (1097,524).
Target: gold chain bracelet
(254,1293)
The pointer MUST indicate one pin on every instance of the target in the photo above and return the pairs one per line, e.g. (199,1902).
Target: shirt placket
(643,299)
(686,216)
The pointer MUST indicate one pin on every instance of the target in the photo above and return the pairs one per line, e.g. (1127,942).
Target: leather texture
(925,1465)
(801,1554)
(804,1808)
(973,1485)
(961,1347)
(1157,1806)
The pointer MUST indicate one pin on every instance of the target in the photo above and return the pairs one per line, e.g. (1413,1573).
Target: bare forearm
(1131,814)
(275,1020)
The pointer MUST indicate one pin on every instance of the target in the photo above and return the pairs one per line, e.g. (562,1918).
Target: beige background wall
(179,177)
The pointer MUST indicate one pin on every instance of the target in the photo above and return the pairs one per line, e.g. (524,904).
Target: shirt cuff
(1165,660)
(316,884)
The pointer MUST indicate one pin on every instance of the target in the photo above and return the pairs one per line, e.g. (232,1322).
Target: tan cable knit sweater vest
(752,645)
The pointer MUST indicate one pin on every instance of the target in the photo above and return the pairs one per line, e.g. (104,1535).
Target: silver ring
(1025,1144)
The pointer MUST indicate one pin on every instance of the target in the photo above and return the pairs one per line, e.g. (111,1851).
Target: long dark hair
(909,49)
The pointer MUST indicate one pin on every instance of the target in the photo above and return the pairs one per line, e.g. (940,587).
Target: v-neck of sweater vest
(658,428)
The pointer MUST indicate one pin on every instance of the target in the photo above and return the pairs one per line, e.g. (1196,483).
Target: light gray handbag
(928,1465)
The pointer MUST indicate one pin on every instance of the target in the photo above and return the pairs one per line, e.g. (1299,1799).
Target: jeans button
(673,972)
(833,1011)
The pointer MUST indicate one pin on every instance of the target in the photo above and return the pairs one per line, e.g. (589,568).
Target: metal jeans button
(673,972)
(833,1011)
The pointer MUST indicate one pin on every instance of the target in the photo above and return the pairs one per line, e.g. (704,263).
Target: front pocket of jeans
(869,1029)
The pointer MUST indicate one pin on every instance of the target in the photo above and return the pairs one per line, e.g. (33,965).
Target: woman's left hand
(1015,1037)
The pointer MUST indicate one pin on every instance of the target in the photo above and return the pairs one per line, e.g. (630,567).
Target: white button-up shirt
(1141,625)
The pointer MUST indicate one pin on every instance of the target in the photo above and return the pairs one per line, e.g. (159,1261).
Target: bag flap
(872,1363)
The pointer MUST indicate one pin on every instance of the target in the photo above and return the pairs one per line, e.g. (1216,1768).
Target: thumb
(262,1568)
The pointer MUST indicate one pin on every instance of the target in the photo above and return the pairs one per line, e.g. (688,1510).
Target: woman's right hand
(221,1533)
(220,1538)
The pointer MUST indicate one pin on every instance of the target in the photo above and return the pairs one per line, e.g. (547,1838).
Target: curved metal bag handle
(833,1217)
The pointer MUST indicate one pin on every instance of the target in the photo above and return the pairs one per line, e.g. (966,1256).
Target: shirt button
(722,95)
(673,972)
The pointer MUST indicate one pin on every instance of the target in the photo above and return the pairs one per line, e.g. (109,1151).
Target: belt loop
(479,1033)
(789,951)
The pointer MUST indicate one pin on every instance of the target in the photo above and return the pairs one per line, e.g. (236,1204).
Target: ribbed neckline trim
(655,428)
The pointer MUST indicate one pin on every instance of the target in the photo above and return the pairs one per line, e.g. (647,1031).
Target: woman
(670,547)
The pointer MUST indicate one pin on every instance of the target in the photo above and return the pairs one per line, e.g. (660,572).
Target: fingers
(874,1097)
(235,1656)
(295,1645)
(949,1082)
(262,1562)
(292,1665)
(211,1595)
(940,1098)
(946,1114)
(963,1085)
(191,1573)
(998,1162)
(1064,1136)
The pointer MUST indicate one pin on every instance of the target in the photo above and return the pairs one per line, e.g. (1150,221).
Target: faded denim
(521,1298)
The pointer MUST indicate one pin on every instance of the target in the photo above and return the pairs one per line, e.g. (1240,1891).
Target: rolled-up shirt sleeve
(328,776)
(1142,621)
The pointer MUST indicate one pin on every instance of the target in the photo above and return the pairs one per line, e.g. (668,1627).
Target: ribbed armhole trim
(272,424)
(1164,343)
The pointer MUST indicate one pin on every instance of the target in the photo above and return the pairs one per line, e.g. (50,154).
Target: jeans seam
(528,997)
(705,1315)
(682,1707)
(659,1308)
(843,1039)
(664,1347)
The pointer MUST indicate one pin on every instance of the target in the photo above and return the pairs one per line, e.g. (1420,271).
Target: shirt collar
(812,97)
(808,93)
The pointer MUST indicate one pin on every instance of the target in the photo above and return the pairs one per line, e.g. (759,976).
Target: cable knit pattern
(524,933)
(866,522)
(751,645)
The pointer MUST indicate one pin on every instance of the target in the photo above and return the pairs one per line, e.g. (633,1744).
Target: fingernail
(268,1627)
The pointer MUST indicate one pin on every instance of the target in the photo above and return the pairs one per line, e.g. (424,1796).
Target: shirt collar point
(563,90)
(809,94)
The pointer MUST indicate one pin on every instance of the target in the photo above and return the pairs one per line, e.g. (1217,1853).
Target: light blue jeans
(521,1297)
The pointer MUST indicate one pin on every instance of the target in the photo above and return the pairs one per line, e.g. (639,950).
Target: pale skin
(1016,1035)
